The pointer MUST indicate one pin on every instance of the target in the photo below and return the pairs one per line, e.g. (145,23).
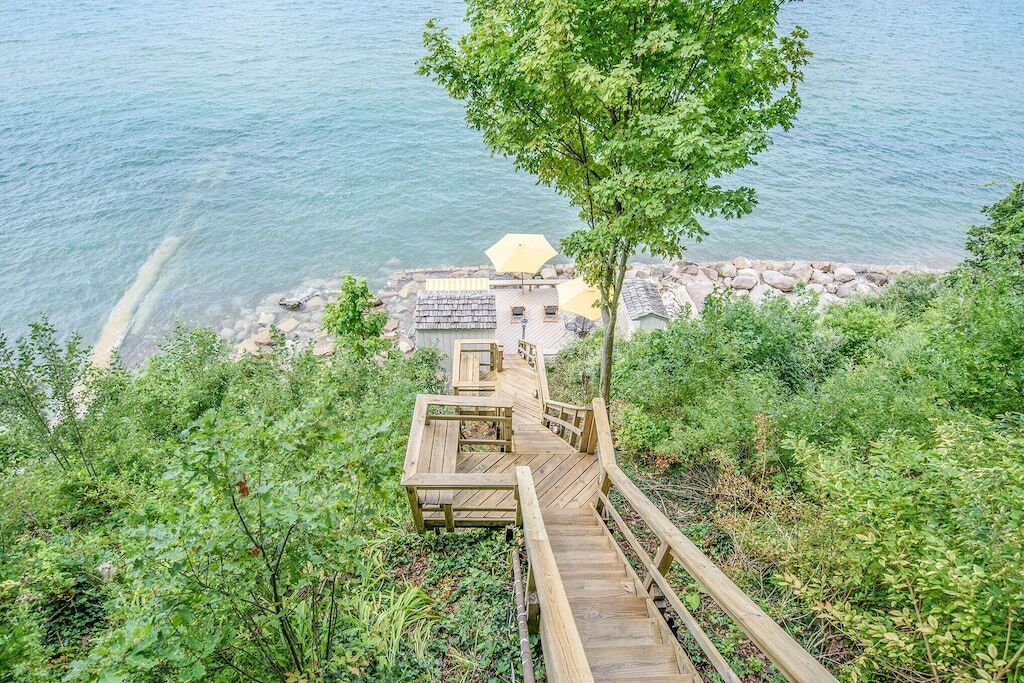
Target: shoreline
(681,283)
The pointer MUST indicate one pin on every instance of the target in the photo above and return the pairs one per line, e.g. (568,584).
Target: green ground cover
(860,470)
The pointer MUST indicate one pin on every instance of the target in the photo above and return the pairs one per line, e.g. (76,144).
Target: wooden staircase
(502,452)
(624,636)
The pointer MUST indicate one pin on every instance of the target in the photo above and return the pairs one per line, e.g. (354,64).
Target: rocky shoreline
(298,315)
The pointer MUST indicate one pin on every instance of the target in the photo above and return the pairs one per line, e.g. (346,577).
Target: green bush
(858,469)
(237,520)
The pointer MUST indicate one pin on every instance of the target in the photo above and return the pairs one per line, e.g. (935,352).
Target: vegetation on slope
(213,519)
(859,470)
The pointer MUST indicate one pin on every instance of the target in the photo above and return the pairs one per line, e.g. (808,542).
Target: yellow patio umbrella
(576,296)
(520,253)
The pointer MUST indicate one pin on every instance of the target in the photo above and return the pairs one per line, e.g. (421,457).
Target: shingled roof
(456,311)
(641,297)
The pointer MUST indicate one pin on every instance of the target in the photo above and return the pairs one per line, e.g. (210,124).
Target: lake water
(284,140)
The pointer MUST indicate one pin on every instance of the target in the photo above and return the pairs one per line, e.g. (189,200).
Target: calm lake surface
(284,140)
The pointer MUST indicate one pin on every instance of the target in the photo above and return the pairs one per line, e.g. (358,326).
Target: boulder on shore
(779,281)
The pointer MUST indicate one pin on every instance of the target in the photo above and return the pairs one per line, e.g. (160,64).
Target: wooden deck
(564,477)
(552,336)
(500,452)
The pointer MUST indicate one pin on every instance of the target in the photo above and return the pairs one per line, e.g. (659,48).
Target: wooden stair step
(595,609)
(676,678)
(626,629)
(602,586)
(568,557)
(579,544)
(560,530)
(597,570)
(630,662)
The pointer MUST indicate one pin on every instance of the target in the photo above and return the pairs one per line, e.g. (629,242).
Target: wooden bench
(439,452)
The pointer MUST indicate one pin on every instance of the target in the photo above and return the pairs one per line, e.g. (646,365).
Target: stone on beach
(288,325)
(802,271)
(745,281)
(726,269)
(844,274)
(699,291)
(779,281)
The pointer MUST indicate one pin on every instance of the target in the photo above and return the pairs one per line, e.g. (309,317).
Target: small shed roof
(641,297)
(456,311)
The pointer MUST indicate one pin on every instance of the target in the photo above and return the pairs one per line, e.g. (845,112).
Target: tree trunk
(609,314)
(607,347)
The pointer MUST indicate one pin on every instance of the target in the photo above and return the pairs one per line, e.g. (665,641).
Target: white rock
(779,281)
(315,303)
(323,348)
(844,274)
(760,292)
(726,269)
(821,277)
(816,287)
(698,292)
(745,281)
(288,325)
(876,278)
(691,269)
(824,266)
(262,337)
(682,297)
(549,272)
(845,291)
(709,273)
(266,318)
(741,262)
(405,346)
(409,289)
(247,346)
(802,271)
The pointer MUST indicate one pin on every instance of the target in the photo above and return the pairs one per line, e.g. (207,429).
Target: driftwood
(296,304)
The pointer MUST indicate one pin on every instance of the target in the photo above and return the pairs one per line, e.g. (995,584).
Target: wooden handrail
(575,424)
(497,411)
(784,652)
(564,656)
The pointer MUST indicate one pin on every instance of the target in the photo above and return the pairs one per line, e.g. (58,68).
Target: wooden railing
(564,657)
(469,357)
(433,469)
(795,663)
(575,424)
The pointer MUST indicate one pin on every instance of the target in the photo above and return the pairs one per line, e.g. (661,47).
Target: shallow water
(283,140)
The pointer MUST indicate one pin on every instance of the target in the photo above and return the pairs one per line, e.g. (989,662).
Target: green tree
(1000,244)
(351,316)
(632,109)
(40,396)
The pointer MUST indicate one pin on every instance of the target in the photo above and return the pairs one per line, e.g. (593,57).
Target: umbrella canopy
(576,296)
(520,253)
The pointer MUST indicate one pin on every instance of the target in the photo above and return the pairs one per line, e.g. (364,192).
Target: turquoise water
(294,139)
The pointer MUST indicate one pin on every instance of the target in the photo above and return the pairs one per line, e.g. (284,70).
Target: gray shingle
(456,311)
(641,297)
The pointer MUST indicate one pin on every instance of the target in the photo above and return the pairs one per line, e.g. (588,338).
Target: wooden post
(449,517)
(662,561)
(519,508)
(414,505)
(533,604)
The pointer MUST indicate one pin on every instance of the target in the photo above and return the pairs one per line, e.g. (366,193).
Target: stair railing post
(662,562)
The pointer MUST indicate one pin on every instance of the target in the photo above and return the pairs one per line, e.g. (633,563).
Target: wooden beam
(563,653)
(460,480)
